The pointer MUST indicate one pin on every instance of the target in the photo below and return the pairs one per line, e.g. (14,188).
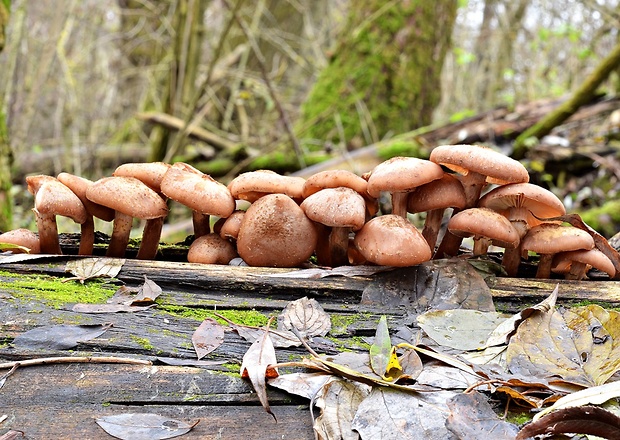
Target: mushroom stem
(449,246)
(472,184)
(481,245)
(87,236)
(120,235)
(339,246)
(511,260)
(150,239)
(201,224)
(48,233)
(322,251)
(544,266)
(578,271)
(399,204)
(432,225)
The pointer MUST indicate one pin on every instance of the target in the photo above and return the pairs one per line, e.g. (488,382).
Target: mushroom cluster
(333,214)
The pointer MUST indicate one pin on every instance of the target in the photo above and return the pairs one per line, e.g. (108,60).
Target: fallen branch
(74,359)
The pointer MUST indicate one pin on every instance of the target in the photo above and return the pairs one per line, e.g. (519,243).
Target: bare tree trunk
(582,95)
(6,154)
(384,75)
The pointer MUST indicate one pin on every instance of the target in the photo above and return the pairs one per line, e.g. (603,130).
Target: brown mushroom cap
(336,207)
(334,179)
(402,174)
(150,173)
(484,223)
(523,201)
(79,185)
(231,226)
(21,237)
(390,240)
(129,196)
(199,192)
(463,159)
(211,249)
(252,185)
(564,262)
(446,192)
(276,232)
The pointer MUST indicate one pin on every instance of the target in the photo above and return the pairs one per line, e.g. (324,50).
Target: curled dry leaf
(302,384)
(256,367)
(208,336)
(87,268)
(305,315)
(339,400)
(590,420)
(137,426)
(147,293)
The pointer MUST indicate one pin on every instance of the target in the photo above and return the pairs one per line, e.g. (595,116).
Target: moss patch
(142,342)
(244,317)
(53,292)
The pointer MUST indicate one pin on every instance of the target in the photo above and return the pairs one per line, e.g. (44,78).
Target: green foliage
(398,147)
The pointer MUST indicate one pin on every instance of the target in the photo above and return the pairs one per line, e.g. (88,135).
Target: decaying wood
(50,401)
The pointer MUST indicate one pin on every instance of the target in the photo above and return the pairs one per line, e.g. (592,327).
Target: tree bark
(6,154)
(582,95)
(384,75)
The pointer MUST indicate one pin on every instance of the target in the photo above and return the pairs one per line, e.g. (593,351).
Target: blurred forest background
(233,85)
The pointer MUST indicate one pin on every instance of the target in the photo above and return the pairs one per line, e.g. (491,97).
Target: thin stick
(74,359)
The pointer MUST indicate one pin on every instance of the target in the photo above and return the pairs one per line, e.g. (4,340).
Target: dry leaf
(180,362)
(208,336)
(305,315)
(411,365)
(10,247)
(302,384)
(108,308)
(279,338)
(590,420)
(255,366)
(463,329)
(87,268)
(136,426)
(339,402)
(389,414)
(58,337)
(147,293)
(471,417)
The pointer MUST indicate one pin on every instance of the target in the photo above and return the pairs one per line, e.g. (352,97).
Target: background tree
(384,74)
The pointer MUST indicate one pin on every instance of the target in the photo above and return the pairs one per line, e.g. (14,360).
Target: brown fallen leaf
(138,426)
(307,316)
(147,293)
(472,417)
(87,268)
(338,401)
(590,420)
(256,367)
(208,336)
(302,384)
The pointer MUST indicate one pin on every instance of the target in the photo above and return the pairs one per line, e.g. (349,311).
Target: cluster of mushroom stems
(333,214)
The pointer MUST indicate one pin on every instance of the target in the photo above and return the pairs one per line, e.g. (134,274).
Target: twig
(74,359)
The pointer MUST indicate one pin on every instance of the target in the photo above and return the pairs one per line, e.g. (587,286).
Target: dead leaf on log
(437,284)
(383,358)
(342,271)
(58,337)
(411,365)
(339,402)
(18,258)
(462,329)
(256,367)
(125,299)
(471,417)
(447,378)
(279,338)
(389,414)
(108,308)
(147,293)
(208,336)
(580,348)
(590,396)
(84,269)
(10,247)
(305,315)
(590,420)
(137,426)
(302,384)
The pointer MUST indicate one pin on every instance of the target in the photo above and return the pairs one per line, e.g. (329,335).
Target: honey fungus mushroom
(24,238)
(129,198)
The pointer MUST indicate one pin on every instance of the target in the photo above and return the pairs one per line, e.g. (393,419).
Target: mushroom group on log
(333,215)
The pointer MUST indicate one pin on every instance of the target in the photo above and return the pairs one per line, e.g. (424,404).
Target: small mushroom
(434,198)
(390,240)
(200,193)
(341,209)
(21,237)
(129,198)
(79,185)
(486,227)
(52,198)
(149,173)
(275,232)
(253,185)
(549,239)
(399,176)
(575,264)
(230,226)
(211,249)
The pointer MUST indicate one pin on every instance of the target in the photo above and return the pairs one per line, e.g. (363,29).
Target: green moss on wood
(243,317)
